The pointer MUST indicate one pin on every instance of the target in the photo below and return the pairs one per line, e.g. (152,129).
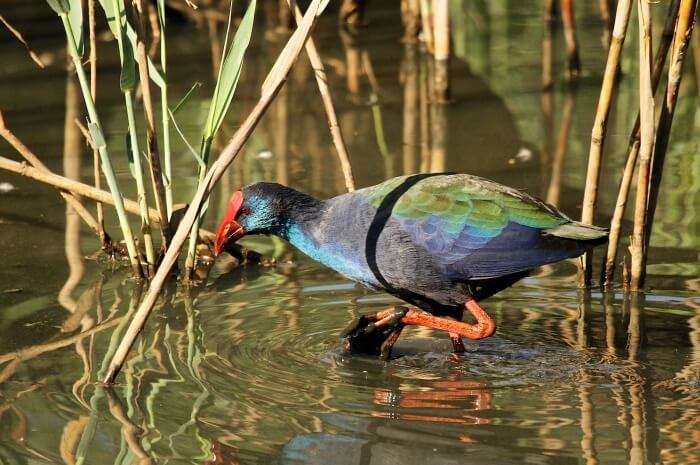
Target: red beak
(229,230)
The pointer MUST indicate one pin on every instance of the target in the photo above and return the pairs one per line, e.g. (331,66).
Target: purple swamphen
(441,242)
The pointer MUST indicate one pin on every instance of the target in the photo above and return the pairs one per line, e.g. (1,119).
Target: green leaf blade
(230,72)
(73,9)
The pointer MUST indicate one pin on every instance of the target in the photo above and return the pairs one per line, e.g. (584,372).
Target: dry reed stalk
(322,82)
(438,127)
(441,33)
(20,38)
(352,12)
(28,155)
(595,154)
(74,188)
(352,63)
(93,90)
(284,17)
(427,24)
(151,136)
(424,112)
(646,106)
(154,26)
(270,88)
(633,151)
(409,74)
(548,17)
(681,41)
(573,62)
(410,13)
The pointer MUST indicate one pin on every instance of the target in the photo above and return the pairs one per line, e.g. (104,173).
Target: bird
(441,242)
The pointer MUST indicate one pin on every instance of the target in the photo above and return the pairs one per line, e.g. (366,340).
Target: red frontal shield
(229,230)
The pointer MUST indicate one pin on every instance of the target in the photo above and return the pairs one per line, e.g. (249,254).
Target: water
(248,368)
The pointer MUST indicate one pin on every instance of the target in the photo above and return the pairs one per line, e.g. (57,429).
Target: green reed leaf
(73,9)
(130,157)
(187,96)
(59,6)
(161,15)
(154,73)
(230,71)
(127,77)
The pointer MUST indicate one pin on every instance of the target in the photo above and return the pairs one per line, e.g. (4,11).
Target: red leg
(484,327)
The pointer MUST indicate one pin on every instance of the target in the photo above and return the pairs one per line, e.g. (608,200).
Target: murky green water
(248,368)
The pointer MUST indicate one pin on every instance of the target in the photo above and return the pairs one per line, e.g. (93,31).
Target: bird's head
(255,209)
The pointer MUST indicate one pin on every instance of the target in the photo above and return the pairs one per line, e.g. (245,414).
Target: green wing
(475,227)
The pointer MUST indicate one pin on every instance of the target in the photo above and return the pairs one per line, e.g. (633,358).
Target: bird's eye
(244,211)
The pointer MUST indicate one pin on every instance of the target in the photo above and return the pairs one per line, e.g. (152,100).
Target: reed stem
(410,13)
(646,106)
(191,259)
(140,185)
(165,120)
(127,90)
(600,124)
(427,25)
(271,87)
(547,62)
(151,136)
(93,91)
(102,149)
(633,151)
(441,33)
(681,41)
(322,82)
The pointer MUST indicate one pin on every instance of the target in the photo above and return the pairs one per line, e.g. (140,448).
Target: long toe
(375,334)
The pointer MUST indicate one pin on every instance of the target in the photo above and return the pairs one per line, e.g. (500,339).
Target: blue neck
(311,237)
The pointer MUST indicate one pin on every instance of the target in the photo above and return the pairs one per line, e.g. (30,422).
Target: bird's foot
(375,333)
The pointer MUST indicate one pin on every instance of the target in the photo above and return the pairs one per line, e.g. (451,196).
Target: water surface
(248,368)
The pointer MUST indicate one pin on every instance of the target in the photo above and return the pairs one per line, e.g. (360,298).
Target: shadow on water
(248,368)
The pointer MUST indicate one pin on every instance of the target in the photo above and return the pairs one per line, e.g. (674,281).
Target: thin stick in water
(28,155)
(681,41)
(272,85)
(600,124)
(20,38)
(633,151)
(93,90)
(74,188)
(646,106)
(151,137)
(322,82)
(441,32)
